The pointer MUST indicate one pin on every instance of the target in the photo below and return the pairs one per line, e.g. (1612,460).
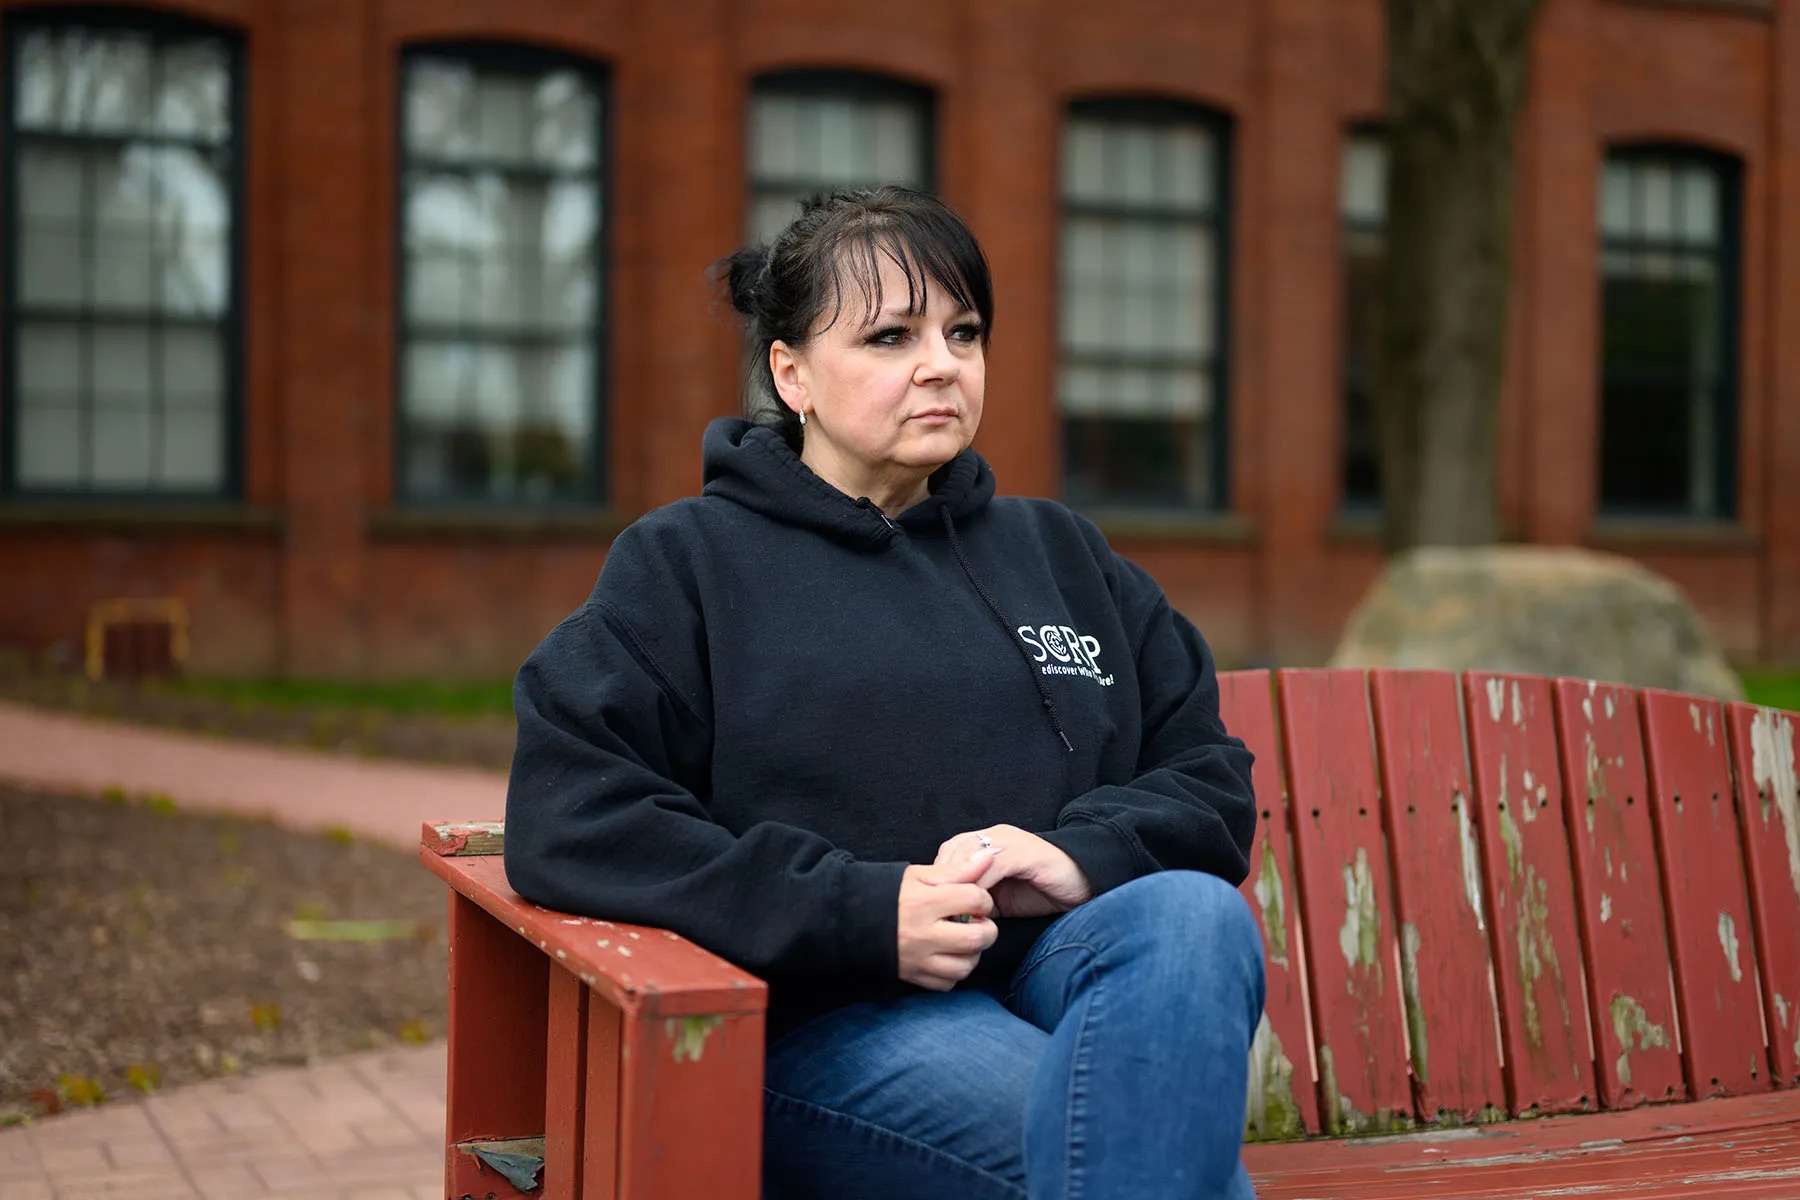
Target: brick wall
(322,574)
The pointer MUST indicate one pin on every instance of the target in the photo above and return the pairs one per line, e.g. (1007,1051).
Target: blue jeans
(1114,1069)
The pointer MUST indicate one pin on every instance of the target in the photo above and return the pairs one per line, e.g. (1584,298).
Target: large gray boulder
(1537,609)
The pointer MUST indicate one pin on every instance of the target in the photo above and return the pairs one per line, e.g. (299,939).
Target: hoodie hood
(754,466)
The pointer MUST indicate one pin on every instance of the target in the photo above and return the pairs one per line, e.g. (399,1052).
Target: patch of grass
(419,697)
(1774,689)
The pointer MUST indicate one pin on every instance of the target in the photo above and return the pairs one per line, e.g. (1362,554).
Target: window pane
(439,100)
(193,367)
(1363,195)
(122,447)
(503,118)
(1364,256)
(773,137)
(1137,165)
(435,289)
(120,366)
(192,453)
(49,454)
(1699,205)
(1615,200)
(1188,169)
(840,145)
(1084,160)
(49,363)
(1656,183)
(566,131)
(193,91)
(896,144)
(50,184)
(50,268)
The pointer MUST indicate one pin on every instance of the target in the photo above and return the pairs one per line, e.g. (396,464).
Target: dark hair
(782,290)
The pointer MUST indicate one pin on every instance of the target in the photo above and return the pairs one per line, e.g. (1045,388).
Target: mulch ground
(142,947)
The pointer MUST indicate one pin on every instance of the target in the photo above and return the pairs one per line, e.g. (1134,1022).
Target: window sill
(1152,525)
(511,526)
(142,518)
(1764,9)
(1629,535)
(1357,528)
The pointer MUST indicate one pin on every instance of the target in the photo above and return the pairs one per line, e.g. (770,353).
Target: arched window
(122,314)
(502,215)
(1668,377)
(1141,380)
(815,131)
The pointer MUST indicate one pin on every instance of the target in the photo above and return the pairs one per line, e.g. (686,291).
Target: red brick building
(361,325)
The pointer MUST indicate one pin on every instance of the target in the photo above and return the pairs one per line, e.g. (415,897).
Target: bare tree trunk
(1456,79)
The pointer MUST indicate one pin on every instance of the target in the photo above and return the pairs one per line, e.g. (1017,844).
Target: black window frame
(833,83)
(521,57)
(160,26)
(1727,256)
(1221,127)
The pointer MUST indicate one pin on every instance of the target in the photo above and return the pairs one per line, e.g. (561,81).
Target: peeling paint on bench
(689,1035)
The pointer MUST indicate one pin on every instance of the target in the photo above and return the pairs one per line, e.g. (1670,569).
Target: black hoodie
(776,698)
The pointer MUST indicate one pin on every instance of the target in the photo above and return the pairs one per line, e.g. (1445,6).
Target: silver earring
(803,418)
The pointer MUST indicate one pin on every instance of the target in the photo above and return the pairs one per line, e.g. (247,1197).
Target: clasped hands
(947,909)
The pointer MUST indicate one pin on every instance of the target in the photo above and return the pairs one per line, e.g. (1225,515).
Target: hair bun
(743,276)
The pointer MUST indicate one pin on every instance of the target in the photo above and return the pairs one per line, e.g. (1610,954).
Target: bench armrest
(645,972)
(612,1057)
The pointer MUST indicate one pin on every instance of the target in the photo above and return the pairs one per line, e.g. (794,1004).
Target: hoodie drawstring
(1006,627)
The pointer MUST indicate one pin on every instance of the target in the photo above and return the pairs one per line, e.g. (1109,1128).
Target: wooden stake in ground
(1456,77)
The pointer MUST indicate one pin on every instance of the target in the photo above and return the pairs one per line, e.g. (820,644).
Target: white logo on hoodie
(1062,651)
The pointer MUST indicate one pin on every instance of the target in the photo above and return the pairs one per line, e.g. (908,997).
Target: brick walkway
(366,1127)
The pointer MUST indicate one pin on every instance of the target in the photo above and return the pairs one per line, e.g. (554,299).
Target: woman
(940,766)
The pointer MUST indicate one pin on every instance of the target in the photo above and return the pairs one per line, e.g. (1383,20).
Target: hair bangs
(925,251)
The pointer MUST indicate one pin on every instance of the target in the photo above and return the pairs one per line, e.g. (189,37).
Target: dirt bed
(143,947)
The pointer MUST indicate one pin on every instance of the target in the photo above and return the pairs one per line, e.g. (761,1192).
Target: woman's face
(890,397)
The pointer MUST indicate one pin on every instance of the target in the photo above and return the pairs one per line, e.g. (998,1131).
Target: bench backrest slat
(1531,892)
(1283,1100)
(1345,900)
(1766,747)
(1619,898)
(1450,1015)
(1694,808)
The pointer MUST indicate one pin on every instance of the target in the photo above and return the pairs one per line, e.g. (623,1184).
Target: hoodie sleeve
(1190,805)
(602,816)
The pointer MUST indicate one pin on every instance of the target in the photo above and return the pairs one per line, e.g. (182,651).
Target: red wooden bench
(1484,898)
